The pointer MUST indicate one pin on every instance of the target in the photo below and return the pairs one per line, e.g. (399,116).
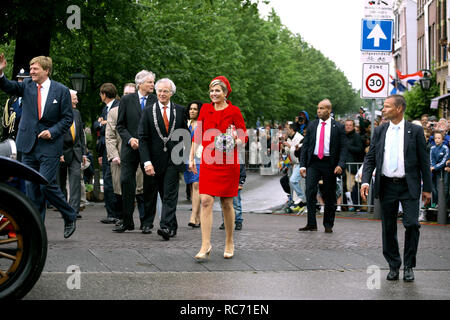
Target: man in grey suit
(399,155)
(46,117)
(74,153)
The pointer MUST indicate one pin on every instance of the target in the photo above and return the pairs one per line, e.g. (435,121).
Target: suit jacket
(151,145)
(101,144)
(338,144)
(75,149)
(112,138)
(417,160)
(57,116)
(128,119)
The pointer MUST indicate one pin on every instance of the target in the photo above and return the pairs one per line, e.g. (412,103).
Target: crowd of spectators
(358,128)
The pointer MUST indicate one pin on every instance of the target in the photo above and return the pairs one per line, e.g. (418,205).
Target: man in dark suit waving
(46,117)
(156,129)
(131,109)
(398,153)
(322,157)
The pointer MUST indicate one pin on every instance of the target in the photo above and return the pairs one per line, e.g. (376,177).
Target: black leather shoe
(172,233)
(308,228)
(328,230)
(109,220)
(393,274)
(238,226)
(164,233)
(194,225)
(408,274)
(122,228)
(69,228)
(222,227)
(79,216)
(146,230)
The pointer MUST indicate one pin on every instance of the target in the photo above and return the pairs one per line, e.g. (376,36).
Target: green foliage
(418,101)
(274,73)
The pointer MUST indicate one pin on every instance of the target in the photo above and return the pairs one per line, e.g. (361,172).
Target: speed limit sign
(375,80)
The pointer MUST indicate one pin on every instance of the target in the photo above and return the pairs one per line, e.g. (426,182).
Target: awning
(435,101)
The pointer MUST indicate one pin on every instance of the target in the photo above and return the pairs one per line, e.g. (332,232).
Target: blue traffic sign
(376,35)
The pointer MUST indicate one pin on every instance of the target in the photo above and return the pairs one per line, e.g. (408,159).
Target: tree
(418,100)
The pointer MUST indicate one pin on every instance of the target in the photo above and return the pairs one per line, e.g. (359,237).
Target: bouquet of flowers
(226,142)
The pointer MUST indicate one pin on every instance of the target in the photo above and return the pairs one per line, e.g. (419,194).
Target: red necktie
(166,121)
(321,140)
(39,101)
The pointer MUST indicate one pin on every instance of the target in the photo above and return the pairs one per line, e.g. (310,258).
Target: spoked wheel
(23,244)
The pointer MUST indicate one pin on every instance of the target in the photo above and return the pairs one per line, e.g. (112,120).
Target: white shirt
(326,146)
(141,96)
(108,105)
(400,171)
(45,87)
(161,107)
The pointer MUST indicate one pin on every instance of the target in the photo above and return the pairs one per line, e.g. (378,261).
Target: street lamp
(79,81)
(425,82)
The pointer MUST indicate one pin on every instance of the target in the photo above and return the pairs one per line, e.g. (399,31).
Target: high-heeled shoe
(203,256)
(228,254)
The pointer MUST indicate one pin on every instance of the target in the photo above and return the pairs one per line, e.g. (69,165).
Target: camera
(301,118)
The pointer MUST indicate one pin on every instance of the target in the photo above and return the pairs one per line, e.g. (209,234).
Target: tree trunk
(31,41)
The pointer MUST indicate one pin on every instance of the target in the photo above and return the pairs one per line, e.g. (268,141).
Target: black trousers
(128,183)
(321,169)
(168,185)
(391,193)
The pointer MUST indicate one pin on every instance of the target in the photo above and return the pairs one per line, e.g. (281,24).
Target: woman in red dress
(219,166)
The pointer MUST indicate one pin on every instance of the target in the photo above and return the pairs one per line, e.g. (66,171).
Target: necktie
(39,101)
(321,140)
(166,121)
(393,158)
(143,103)
(72,131)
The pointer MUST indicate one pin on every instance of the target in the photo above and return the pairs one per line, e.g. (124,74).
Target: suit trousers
(321,169)
(74,170)
(128,182)
(391,194)
(38,194)
(108,190)
(168,185)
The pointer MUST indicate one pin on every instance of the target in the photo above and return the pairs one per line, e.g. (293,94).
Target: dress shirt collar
(401,124)
(140,96)
(161,106)
(45,85)
(328,121)
(109,104)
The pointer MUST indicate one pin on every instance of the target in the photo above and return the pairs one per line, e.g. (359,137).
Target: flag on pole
(410,78)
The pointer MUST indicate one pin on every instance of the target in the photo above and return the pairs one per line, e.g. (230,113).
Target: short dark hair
(109,90)
(399,101)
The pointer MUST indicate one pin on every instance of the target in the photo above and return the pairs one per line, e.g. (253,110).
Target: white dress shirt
(161,107)
(400,171)
(45,87)
(326,146)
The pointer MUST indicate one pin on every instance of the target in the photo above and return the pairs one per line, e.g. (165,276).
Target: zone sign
(375,80)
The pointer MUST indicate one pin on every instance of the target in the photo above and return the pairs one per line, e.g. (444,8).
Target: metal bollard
(442,210)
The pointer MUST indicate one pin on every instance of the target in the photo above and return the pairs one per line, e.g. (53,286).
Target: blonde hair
(221,84)
(45,62)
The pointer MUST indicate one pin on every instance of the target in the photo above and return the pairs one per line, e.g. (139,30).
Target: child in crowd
(438,157)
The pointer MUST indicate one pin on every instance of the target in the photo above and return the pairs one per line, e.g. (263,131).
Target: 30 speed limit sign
(375,80)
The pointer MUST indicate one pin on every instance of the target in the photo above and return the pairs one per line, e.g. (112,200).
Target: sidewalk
(272,259)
